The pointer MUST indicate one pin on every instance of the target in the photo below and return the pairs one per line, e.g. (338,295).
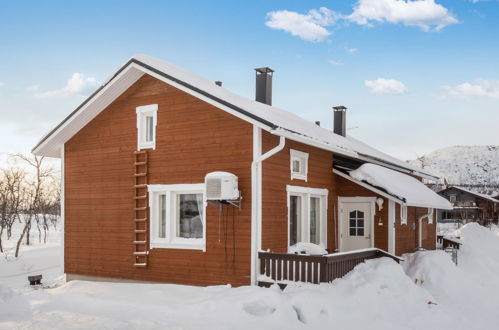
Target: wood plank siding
(276,175)
(193,138)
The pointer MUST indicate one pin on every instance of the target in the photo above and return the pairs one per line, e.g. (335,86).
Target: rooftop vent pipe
(340,118)
(263,90)
(218,83)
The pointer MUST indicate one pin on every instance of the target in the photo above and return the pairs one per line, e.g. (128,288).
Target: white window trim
(143,112)
(302,157)
(306,193)
(403,214)
(172,242)
(431,212)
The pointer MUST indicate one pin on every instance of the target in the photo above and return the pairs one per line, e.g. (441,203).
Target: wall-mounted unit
(221,186)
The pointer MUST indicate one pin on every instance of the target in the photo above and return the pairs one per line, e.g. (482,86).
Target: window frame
(171,240)
(306,194)
(143,112)
(302,158)
(403,214)
(452,198)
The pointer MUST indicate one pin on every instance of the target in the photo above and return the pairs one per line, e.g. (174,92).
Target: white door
(355,225)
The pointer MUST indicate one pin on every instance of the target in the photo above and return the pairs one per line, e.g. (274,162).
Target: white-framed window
(146,126)
(298,164)
(403,214)
(452,198)
(307,215)
(177,216)
(431,212)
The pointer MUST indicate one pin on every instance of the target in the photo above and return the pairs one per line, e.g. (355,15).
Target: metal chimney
(340,118)
(218,83)
(263,88)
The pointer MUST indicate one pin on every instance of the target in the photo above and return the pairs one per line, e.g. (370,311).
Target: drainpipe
(420,227)
(256,195)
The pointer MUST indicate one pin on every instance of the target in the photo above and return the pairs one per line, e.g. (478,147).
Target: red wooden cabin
(136,153)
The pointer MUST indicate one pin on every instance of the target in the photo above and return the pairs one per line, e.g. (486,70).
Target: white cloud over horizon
(425,14)
(386,86)
(309,27)
(481,88)
(78,83)
(335,62)
(313,26)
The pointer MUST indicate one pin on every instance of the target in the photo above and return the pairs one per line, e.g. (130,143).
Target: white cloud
(426,14)
(33,88)
(77,84)
(386,86)
(309,27)
(351,50)
(480,88)
(335,63)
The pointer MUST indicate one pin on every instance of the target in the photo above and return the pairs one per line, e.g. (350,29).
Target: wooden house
(469,206)
(146,155)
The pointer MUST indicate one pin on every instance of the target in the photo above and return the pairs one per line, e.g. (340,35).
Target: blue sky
(415,76)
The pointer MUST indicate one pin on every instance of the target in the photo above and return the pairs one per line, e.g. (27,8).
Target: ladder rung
(140,163)
(139,242)
(143,185)
(140,208)
(141,220)
(140,231)
(140,174)
(140,197)
(139,152)
(140,264)
(141,253)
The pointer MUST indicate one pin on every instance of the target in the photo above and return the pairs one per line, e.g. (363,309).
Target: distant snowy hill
(475,167)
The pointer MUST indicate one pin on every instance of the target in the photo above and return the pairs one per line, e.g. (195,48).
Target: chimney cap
(340,108)
(264,69)
(218,83)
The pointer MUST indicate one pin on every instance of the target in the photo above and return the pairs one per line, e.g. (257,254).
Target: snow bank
(403,186)
(307,248)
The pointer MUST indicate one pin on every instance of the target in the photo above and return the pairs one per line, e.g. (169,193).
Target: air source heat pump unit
(221,186)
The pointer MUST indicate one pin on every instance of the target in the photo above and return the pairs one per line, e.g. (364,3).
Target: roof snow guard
(272,119)
(399,187)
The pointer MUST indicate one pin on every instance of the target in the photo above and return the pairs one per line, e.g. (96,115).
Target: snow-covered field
(426,292)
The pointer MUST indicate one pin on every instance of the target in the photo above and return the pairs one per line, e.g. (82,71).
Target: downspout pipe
(256,207)
(420,227)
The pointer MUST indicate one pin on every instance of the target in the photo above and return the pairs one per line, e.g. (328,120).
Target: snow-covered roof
(484,196)
(403,188)
(273,119)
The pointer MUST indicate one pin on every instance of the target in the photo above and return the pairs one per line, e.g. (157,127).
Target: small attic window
(146,126)
(452,198)
(298,164)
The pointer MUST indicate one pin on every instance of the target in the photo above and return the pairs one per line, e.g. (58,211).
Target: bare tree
(11,187)
(33,195)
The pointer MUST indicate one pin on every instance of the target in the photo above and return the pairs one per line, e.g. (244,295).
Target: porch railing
(447,242)
(281,267)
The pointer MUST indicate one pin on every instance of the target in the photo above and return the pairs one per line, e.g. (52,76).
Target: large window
(307,208)
(146,126)
(177,216)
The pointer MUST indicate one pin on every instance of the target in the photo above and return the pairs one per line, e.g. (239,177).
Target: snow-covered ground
(426,292)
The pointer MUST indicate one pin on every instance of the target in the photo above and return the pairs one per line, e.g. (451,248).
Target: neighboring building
(135,158)
(469,206)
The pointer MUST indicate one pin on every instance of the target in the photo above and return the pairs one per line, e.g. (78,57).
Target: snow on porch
(401,186)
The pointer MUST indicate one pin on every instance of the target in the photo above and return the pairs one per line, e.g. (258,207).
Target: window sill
(147,146)
(297,176)
(179,245)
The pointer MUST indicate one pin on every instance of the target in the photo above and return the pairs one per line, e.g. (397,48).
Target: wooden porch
(284,267)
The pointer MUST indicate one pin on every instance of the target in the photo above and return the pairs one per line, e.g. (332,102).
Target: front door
(355,225)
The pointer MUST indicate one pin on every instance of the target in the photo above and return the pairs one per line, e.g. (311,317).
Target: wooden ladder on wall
(140,209)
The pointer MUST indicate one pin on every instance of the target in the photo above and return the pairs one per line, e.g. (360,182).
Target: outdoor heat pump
(221,186)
